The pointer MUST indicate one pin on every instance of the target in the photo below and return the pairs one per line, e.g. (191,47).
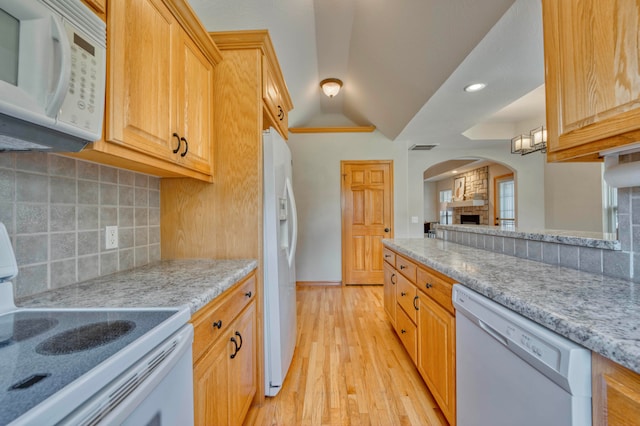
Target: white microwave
(52,75)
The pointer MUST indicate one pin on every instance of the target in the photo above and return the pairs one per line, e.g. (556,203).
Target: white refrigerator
(280,235)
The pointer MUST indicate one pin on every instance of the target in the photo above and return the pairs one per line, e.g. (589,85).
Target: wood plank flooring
(349,367)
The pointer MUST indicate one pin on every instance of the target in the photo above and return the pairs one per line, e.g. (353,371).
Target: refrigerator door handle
(294,223)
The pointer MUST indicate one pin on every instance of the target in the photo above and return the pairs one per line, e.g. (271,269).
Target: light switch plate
(414,219)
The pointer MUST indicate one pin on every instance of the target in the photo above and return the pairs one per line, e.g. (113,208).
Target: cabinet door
(390,280)
(194,105)
(616,393)
(141,82)
(437,354)
(592,75)
(210,385)
(242,368)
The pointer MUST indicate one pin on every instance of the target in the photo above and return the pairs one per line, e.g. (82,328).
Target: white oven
(92,366)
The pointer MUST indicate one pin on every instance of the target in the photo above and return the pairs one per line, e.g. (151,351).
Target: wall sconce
(331,86)
(536,140)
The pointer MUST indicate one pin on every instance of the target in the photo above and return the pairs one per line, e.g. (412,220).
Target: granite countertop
(595,311)
(597,240)
(166,283)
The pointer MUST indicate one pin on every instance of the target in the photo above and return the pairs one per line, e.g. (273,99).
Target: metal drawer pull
(386,256)
(428,285)
(235,351)
(392,277)
(403,267)
(402,293)
(217,324)
(403,331)
(415,299)
(248,294)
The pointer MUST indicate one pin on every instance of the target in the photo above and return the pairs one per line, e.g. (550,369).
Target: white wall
(573,196)
(316,183)
(431,198)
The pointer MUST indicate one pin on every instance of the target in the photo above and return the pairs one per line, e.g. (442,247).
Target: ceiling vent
(422,147)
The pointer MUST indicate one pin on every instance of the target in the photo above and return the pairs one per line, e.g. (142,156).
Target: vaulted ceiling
(403,62)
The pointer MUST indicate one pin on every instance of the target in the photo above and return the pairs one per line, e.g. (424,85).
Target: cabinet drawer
(406,268)
(407,332)
(389,257)
(212,321)
(436,286)
(405,296)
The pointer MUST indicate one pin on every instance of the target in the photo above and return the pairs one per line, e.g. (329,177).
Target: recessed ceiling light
(475,87)
(454,171)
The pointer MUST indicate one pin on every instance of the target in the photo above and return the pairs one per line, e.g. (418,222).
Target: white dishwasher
(512,371)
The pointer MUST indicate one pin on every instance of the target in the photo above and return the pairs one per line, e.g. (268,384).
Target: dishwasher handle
(493,332)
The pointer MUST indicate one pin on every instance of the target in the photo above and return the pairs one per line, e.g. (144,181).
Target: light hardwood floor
(349,367)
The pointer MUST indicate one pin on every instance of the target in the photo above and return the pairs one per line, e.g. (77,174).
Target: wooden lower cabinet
(390,281)
(417,300)
(437,353)
(616,393)
(224,371)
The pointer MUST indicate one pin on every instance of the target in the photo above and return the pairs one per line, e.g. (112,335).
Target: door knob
(387,229)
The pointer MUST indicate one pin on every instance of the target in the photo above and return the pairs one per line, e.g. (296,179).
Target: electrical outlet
(111,237)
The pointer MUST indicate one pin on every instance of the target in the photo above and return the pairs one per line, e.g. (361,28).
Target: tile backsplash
(56,208)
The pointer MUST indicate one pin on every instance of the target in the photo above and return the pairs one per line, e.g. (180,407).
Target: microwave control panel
(83,105)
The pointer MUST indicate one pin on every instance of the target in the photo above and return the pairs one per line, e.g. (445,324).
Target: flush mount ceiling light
(331,86)
(475,87)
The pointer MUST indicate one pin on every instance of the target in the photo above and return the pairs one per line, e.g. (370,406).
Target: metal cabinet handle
(217,324)
(428,285)
(415,305)
(403,331)
(235,351)
(402,267)
(402,293)
(186,147)
(280,113)
(392,277)
(248,294)
(177,136)
(240,337)
(386,256)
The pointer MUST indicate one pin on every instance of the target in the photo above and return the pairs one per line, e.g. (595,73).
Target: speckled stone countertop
(162,284)
(575,238)
(595,311)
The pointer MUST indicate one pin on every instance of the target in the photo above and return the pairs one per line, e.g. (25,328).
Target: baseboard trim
(318,283)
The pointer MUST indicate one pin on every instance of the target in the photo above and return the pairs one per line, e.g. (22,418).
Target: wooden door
(437,354)
(367,218)
(141,81)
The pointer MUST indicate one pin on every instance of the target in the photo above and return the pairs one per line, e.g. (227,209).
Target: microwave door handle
(62,57)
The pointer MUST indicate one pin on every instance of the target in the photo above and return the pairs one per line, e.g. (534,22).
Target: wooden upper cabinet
(592,75)
(276,102)
(142,77)
(276,110)
(98,6)
(159,101)
(194,110)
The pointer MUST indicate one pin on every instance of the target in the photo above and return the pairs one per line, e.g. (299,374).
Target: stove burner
(24,329)
(85,337)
